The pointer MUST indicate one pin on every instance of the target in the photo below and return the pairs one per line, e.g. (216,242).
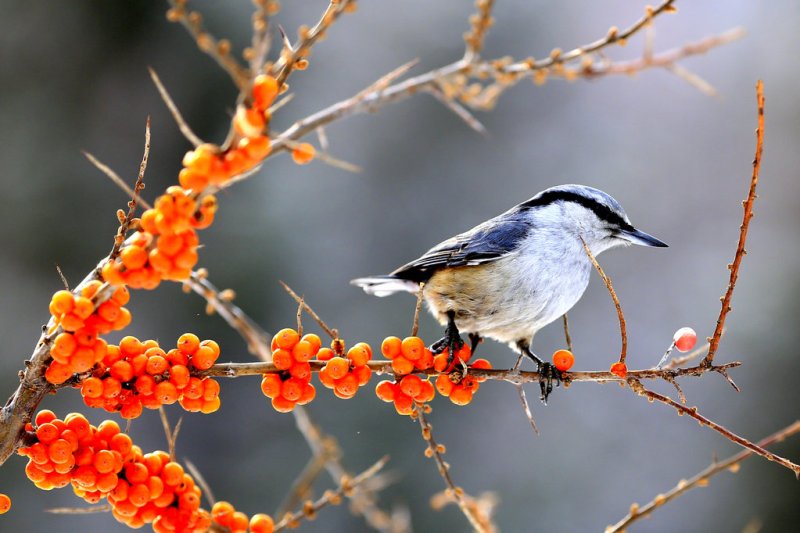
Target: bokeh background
(73,77)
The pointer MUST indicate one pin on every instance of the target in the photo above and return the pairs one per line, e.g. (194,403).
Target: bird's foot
(547,374)
(452,341)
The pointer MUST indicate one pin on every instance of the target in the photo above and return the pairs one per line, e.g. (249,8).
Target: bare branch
(748,214)
(173,109)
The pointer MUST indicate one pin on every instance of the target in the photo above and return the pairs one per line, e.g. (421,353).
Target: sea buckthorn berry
(261,523)
(685,339)
(303,351)
(286,338)
(391,347)
(619,369)
(62,303)
(412,348)
(403,404)
(461,396)
(282,405)
(265,90)
(385,391)
(337,367)
(282,359)
(5,505)
(563,360)
(411,385)
(133,257)
(256,148)
(271,385)
(325,354)
(314,341)
(401,365)
(359,354)
(346,387)
(303,153)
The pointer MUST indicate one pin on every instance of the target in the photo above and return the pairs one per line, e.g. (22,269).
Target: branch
(622,329)
(748,214)
(637,387)
(331,497)
(478,523)
(699,480)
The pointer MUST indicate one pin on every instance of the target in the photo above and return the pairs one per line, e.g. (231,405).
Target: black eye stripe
(602,212)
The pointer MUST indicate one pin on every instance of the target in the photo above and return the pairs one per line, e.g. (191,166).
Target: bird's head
(589,213)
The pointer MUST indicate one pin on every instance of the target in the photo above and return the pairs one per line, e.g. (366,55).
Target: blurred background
(73,77)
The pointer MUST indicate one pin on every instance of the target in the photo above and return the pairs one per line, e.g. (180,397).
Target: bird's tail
(385,285)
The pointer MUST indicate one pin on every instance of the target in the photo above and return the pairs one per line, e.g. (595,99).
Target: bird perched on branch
(510,276)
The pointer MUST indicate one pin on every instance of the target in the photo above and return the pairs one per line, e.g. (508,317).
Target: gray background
(74,77)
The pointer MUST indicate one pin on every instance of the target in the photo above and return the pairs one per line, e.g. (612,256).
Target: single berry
(685,339)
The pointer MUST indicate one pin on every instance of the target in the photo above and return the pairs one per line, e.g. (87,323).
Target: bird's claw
(452,342)
(547,374)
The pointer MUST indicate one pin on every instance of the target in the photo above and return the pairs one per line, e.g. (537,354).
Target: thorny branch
(700,479)
(748,214)
(638,388)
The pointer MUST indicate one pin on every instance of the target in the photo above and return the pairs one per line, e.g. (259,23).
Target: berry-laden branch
(747,205)
(701,479)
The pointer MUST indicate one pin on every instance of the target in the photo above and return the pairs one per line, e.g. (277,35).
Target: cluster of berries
(225,515)
(290,355)
(461,391)
(138,374)
(166,245)
(101,462)
(407,354)
(78,348)
(345,374)
(405,392)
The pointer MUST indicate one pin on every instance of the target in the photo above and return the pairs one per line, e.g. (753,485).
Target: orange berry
(460,396)
(237,162)
(188,343)
(111,387)
(359,354)
(444,385)
(427,391)
(292,389)
(347,386)
(204,358)
(282,405)
(261,523)
(210,406)
(83,307)
(309,392)
(426,361)
(108,310)
(300,370)
(326,378)
(166,392)
(248,122)
(179,376)
(385,391)
(563,360)
(325,354)
(265,90)
(271,385)
(313,340)
(411,385)
(303,153)
(194,389)
(130,346)
(303,351)
(111,273)
(210,389)
(338,367)
(44,416)
(135,472)
(63,346)
(413,348)
(391,347)
(133,257)
(47,433)
(362,374)
(619,369)
(57,373)
(401,365)
(92,388)
(404,405)
(61,303)
(122,320)
(156,364)
(122,371)
(282,359)
(192,179)
(172,474)
(256,148)
(71,322)
(131,409)
(103,461)
(5,505)
(286,338)
(122,295)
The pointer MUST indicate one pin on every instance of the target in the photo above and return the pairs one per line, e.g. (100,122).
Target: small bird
(510,276)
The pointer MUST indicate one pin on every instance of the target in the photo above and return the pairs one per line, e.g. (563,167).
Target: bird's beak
(641,238)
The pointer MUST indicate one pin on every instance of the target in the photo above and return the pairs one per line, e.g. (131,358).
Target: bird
(513,274)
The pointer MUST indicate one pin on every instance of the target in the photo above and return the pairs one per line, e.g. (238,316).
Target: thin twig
(331,332)
(303,484)
(201,482)
(700,479)
(459,110)
(748,214)
(331,497)
(218,50)
(256,338)
(418,308)
(94,509)
(62,277)
(480,24)
(622,329)
(637,387)
(526,407)
(435,449)
(567,336)
(114,177)
(173,109)
(171,434)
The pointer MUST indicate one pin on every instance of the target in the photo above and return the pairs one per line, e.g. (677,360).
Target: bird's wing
(485,243)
